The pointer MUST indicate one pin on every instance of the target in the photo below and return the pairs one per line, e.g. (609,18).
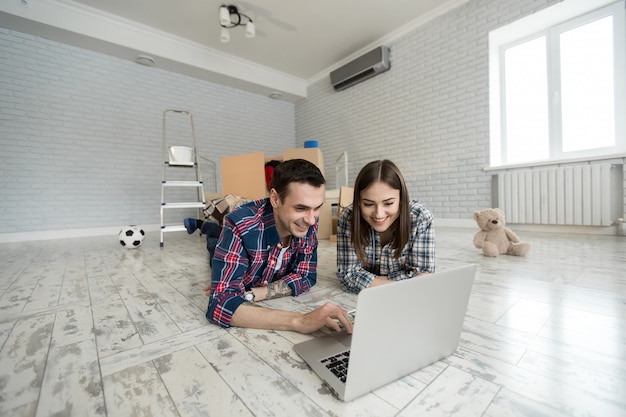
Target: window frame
(550,22)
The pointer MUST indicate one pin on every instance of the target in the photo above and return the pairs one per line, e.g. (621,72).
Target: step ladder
(180,162)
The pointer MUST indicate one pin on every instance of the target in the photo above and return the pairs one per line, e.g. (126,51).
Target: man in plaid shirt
(268,249)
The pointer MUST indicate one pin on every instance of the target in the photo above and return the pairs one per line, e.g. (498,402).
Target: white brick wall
(429,113)
(81,134)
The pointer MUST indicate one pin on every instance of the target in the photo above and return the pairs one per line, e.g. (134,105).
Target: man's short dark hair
(295,170)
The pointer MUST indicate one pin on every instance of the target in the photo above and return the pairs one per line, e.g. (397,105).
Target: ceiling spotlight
(224,16)
(250,32)
(230,17)
(224,35)
(146,60)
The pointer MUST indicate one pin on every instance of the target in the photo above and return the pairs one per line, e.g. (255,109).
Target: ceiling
(296,43)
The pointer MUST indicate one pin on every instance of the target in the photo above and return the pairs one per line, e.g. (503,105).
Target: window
(557,85)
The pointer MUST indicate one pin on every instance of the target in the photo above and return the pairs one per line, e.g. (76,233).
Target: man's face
(299,210)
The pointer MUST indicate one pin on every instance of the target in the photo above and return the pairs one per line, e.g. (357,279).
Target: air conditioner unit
(366,66)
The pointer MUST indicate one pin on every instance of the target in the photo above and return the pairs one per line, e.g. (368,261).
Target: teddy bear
(494,237)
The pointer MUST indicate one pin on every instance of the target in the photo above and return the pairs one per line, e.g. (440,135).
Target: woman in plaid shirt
(383,236)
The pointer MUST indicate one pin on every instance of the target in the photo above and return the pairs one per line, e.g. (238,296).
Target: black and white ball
(131,236)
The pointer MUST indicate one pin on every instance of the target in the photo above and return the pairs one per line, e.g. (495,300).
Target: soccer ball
(131,237)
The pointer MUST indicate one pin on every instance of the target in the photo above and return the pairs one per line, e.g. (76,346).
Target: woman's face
(380,206)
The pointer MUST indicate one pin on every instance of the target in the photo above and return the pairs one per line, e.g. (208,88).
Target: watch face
(249,296)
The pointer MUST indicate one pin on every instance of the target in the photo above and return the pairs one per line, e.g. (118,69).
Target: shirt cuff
(225,311)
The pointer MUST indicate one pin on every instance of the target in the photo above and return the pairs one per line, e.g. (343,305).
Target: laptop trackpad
(344,338)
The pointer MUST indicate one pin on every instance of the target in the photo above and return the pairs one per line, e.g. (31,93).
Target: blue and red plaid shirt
(248,255)
(418,255)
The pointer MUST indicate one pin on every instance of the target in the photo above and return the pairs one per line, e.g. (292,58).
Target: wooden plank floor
(88,328)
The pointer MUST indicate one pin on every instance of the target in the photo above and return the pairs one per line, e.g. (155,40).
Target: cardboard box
(244,175)
(346,195)
(324,223)
(309,154)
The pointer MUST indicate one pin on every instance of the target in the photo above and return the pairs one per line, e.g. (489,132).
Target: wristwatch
(249,296)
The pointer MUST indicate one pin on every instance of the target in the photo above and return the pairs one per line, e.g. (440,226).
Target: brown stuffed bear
(494,237)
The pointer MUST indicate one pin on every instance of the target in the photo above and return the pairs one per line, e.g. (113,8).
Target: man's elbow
(210,316)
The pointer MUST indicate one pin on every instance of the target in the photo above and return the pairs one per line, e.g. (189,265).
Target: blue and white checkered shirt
(418,255)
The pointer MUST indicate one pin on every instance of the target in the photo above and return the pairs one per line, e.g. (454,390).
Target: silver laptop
(398,329)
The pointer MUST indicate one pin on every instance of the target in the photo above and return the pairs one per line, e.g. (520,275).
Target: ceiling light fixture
(230,17)
(146,60)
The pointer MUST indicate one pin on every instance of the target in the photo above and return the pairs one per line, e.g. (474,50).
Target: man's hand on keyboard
(329,315)
(351,315)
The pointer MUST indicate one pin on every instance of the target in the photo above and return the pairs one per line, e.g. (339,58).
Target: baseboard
(67,233)
(535,228)
(554,228)
(458,223)
(439,222)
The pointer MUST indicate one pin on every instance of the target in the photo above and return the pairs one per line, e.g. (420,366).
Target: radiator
(565,195)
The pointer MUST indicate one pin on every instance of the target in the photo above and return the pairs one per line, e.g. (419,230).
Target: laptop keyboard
(338,364)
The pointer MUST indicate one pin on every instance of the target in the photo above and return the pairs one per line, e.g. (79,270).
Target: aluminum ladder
(175,166)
